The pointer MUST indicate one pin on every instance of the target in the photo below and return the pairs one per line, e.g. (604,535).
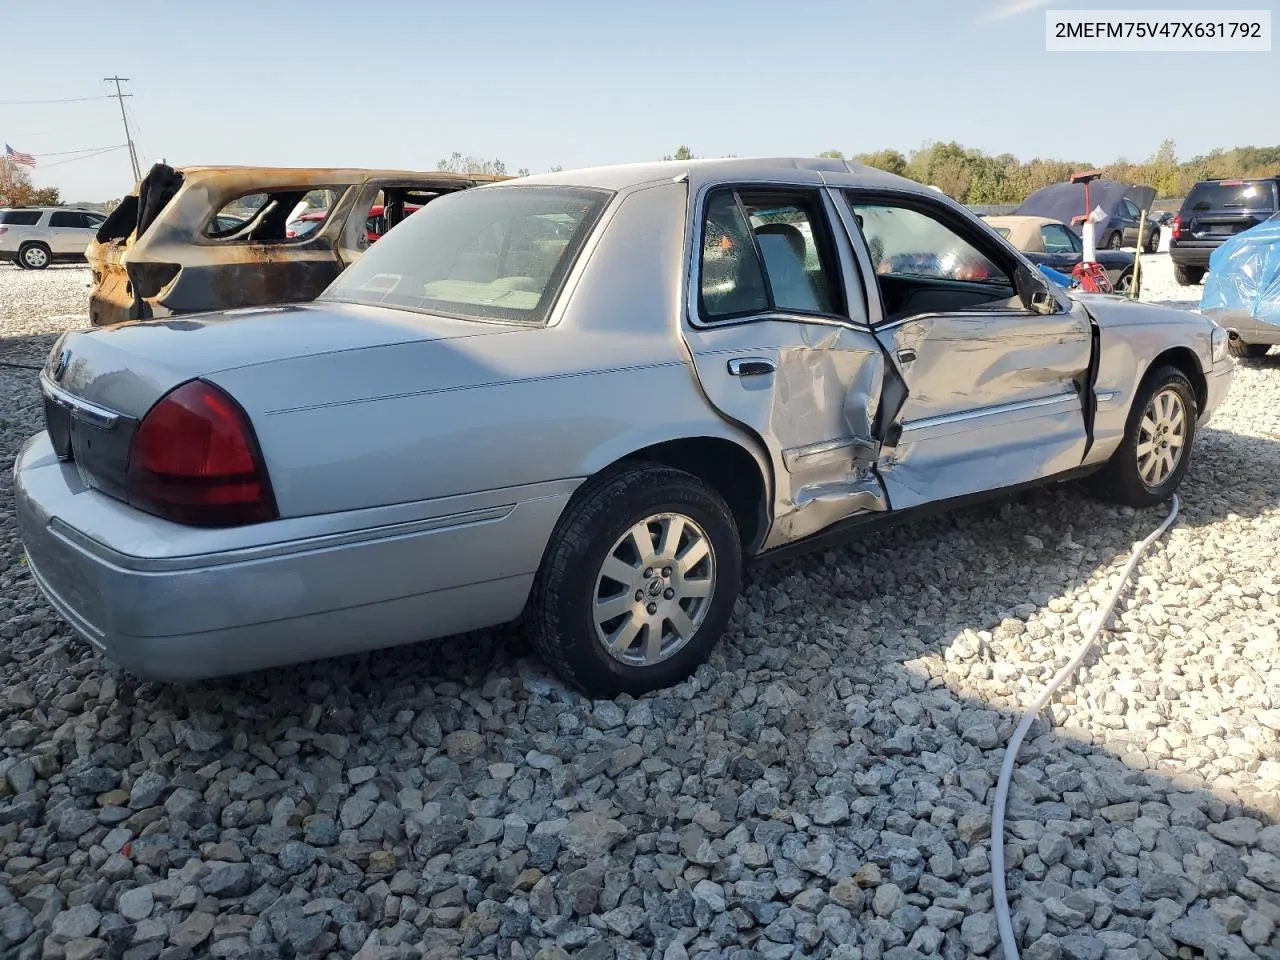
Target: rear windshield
(1232,195)
(20,218)
(492,253)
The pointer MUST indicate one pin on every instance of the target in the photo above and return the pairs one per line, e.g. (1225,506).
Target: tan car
(216,238)
(1052,243)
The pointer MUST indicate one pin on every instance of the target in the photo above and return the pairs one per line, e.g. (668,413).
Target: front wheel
(1153,241)
(1117,241)
(1154,456)
(638,581)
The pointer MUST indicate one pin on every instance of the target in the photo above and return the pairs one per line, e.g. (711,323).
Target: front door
(993,390)
(68,232)
(778,333)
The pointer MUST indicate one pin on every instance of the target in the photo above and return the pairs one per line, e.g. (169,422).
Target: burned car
(584,399)
(211,238)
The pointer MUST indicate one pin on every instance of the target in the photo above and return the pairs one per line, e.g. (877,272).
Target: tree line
(971,176)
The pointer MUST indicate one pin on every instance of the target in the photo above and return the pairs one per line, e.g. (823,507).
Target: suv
(1214,211)
(34,237)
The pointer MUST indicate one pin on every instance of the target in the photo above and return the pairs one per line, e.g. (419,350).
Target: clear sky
(394,83)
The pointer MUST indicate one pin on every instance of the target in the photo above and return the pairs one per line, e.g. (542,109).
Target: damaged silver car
(214,238)
(586,399)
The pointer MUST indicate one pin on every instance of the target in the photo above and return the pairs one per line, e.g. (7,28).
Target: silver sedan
(585,399)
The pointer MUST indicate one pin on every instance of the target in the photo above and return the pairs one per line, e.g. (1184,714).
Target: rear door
(1218,209)
(778,331)
(993,391)
(68,232)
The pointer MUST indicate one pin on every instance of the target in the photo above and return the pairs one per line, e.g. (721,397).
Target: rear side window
(269,217)
(20,218)
(1232,195)
(1056,239)
(495,253)
(766,250)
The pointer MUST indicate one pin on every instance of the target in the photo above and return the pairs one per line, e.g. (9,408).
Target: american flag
(18,157)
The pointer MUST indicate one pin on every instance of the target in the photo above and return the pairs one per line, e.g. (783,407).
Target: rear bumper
(1194,253)
(1248,328)
(154,598)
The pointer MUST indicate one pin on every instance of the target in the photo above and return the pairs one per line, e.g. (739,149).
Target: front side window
(492,253)
(1056,239)
(1130,209)
(765,250)
(67,218)
(905,242)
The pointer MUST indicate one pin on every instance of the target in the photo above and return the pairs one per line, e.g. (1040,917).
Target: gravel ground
(821,789)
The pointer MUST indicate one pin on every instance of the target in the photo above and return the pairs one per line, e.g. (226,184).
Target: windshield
(491,253)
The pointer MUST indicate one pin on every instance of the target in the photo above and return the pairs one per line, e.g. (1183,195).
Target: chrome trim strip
(964,416)
(80,409)
(792,458)
(1106,396)
(272,551)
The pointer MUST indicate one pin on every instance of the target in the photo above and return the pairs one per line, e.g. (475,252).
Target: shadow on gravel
(825,780)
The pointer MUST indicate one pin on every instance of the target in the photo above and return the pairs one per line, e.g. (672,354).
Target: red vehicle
(376,224)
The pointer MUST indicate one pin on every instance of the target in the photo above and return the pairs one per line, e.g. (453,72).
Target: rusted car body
(214,238)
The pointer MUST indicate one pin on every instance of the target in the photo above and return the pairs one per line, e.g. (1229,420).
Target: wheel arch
(1183,359)
(732,464)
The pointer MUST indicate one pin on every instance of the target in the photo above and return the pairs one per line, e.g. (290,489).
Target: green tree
(890,161)
(682,153)
(832,154)
(17,190)
(457,163)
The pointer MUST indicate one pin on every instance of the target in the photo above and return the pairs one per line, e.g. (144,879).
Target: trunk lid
(98,384)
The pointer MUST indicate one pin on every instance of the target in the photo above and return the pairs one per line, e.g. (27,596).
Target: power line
(23,103)
(67,153)
(87,156)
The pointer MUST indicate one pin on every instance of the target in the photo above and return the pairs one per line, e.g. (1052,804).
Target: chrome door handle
(906,356)
(751,366)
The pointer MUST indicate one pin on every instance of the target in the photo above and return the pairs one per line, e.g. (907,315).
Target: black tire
(1116,241)
(1152,241)
(1124,281)
(562,628)
(1247,351)
(1187,276)
(1120,481)
(34,256)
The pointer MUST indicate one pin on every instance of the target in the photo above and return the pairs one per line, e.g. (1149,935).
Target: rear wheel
(1187,276)
(1247,351)
(1116,241)
(34,256)
(1125,283)
(1153,241)
(1154,456)
(638,581)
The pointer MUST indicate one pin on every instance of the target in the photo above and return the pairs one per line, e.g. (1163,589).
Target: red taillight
(195,460)
(1177,227)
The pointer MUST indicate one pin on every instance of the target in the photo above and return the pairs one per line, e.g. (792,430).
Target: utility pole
(133,154)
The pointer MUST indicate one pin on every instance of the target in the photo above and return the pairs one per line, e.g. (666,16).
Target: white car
(34,237)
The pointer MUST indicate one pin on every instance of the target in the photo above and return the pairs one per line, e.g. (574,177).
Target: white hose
(1001,896)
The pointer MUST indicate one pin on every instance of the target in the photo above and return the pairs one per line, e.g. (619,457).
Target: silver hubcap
(1162,435)
(654,589)
(35,257)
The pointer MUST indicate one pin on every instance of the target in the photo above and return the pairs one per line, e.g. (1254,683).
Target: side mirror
(1034,293)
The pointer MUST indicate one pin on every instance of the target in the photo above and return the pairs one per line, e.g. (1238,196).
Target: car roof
(318,175)
(798,170)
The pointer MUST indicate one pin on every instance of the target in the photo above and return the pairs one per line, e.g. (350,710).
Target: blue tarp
(1244,274)
(1061,279)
